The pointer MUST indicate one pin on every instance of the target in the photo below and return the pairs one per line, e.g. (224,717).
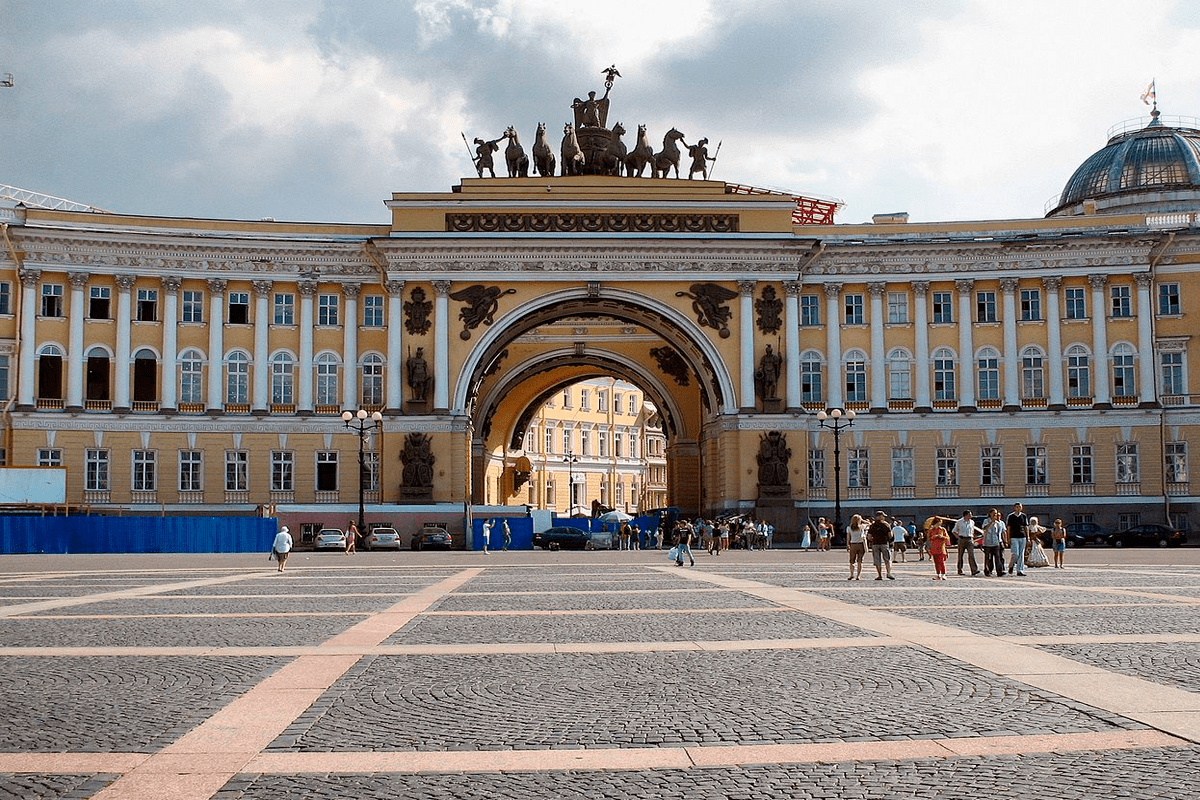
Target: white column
(395,345)
(76,312)
(1012,356)
(261,395)
(1054,341)
(878,355)
(350,395)
(1103,377)
(28,353)
(441,345)
(791,358)
(833,343)
(966,343)
(746,334)
(168,379)
(921,343)
(122,359)
(304,371)
(216,341)
(1145,313)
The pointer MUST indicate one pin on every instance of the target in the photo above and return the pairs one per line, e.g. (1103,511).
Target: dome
(1152,169)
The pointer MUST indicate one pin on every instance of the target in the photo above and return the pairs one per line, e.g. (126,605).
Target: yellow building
(200,366)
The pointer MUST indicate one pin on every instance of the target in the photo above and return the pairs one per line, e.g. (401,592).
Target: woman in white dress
(1035,556)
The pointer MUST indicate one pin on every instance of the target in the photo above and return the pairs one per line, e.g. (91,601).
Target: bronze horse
(514,155)
(572,153)
(543,155)
(641,155)
(612,160)
(668,157)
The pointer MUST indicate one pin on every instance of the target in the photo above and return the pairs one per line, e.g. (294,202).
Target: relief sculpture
(708,301)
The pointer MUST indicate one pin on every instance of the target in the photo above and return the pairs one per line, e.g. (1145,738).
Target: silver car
(383,539)
(330,539)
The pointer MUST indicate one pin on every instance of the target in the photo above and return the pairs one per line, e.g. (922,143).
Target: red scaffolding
(808,211)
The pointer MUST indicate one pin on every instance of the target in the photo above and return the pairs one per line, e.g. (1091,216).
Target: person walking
(683,535)
(507,534)
(965,529)
(824,534)
(1017,524)
(994,532)
(879,534)
(351,537)
(939,549)
(856,546)
(282,546)
(899,540)
(1058,541)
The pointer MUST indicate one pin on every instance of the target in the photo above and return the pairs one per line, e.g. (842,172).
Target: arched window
(283,379)
(191,376)
(97,374)
(1079,371)
(810,377)
(1033,373)
(899,374)
(145,376)
(987,372)
(237,378)
(856,376)
(327,380)
(1123,374)
(944,373)
(50,372)
(372,380)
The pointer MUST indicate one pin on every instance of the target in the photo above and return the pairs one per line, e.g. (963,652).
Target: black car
(562,537)
(432,537)
(1084,533)
(1148,534)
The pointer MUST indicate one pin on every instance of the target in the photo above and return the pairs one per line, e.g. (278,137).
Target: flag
(1149,95)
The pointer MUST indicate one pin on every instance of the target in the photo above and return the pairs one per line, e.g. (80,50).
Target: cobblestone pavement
(598,675)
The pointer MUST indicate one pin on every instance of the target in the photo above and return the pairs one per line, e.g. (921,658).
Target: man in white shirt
(965,529)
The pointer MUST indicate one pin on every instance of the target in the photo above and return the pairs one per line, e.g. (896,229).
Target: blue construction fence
(521,529)
(96,534)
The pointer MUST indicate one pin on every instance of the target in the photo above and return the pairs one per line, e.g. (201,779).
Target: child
(1058,536)
(939,547)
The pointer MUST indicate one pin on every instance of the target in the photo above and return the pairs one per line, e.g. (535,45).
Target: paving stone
(178,632)
(587,599)
(51,787)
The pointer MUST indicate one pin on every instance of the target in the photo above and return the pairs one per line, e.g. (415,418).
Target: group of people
(1018,535)
(717,537)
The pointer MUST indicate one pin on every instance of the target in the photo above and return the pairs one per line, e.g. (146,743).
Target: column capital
(792,288)
(833,290)
(1144,279)
(78,279)
(306,287)
(263,287)
(125,282)
(1098,281)
(171,283)
(746,287)
(394,287)
(877,288)
(217,285)
(920,287)
(351,290)
(29,277)
(1052,283)
(964,285)
(441,288)
(1009,285)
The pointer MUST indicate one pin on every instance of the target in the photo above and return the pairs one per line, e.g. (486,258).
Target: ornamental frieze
(592,223)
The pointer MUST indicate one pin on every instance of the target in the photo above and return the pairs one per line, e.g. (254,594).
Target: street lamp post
(570,460)
(836,420)
(357,421)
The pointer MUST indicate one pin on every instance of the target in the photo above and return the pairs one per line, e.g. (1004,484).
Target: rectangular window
(95,478)
(902,466)
(283,473)
(900,378)
(1031,304)
(858,463)
(1121,301)
(601,400)
(810,310)
(549,435)
(633,446)
(619,444)
(816,469)
(943,307)
(371,470)
(943,379)
(947,466)
(633,407)
(147,305)
(237,470)
(1127,519)
(585,442)
(327,471)
(5,393)
(854,309)
(239,308)
(5,297)
(584,400)
(897,308)
(373,311)
(991,459)
(1168,300)
(100,302)
(985,306)
(566,434)
(988,377)
(193,306)
(144,470)
(285,309)
(617,403)
(1170,368)
(1036,465)
(1081,464)
(191,471)
(327,309)
(1076,302)
(1176,466)
(1128,467)
(49,457)
(1033,376)
(603,441)
(52,300)
(530,442)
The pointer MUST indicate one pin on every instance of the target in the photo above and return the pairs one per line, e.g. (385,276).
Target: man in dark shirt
(880,536)
(1017,523)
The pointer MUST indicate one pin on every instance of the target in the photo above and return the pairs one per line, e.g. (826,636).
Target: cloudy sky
(319,109)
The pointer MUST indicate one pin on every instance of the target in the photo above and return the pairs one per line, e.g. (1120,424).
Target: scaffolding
(809,210)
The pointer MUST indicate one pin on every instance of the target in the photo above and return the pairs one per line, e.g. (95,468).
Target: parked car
(1147,534)
(432,537)
(1084,533)
(383,539)
(562,537)
(330,539)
